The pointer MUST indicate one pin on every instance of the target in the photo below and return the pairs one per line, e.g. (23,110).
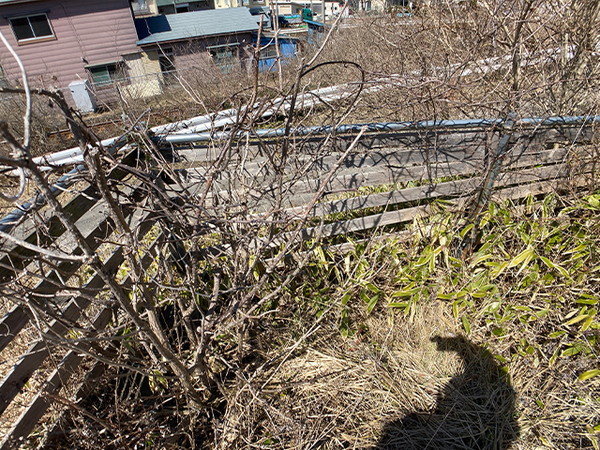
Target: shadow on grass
(475,410)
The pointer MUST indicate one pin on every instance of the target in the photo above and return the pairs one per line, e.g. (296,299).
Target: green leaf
(345,323)
(524,257)
(540,404)
(480,258)
(554,357)
(320,254)
(365,298)
(499,270)
(347,296)
(522,308)
(577,249)
(557,334)
(465,230)
(593,200)
(466,325)
(398,305)
(587,301)
(405,293)
(372,303)
(589,374)
(479,294)
(374,289)
(572,351)
(587,323)
(500,358)
(576,320)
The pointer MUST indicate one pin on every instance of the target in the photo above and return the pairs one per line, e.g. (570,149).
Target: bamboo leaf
(587,301)
(405,293)
(557,334)
(589,374)
(523,257)
(576,320)
(466,325)
(465,230)
(346,298)
(480,258)
(398,305)
(374,289)
(499,270)
(372,303)
(587,323)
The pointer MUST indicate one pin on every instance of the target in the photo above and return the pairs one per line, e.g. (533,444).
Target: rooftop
(197,24)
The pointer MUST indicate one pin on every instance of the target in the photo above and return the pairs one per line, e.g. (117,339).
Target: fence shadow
(475,410)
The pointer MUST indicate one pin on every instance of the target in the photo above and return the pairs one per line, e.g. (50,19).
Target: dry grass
(455,364)
(394,378)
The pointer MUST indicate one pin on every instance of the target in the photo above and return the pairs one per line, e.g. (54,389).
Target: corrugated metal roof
(176,27)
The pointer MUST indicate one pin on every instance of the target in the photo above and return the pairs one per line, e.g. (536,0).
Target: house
(96,51)
(218,38)
(65,41)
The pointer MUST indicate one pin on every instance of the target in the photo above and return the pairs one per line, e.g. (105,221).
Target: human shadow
(475,410)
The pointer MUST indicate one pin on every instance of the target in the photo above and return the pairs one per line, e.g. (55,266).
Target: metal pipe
(13,218)
(464,124)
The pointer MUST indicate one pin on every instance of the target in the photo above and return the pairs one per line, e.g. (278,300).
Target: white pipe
(211,122)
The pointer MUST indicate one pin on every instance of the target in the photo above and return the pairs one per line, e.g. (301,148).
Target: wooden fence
(415,166)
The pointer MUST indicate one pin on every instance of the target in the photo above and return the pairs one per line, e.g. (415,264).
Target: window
(140,7)
(182,8)
(164,10)
(105,74)
(269,53)
(224,56)
(165,60)
(31,27)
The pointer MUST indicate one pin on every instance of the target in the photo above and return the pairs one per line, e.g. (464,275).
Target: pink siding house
(61,41)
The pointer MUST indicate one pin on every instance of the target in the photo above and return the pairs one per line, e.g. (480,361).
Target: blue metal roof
(197,24)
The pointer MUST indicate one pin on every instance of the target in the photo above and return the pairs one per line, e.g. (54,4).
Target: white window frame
(270,52)
(34,38)
(113,75)
(225,64)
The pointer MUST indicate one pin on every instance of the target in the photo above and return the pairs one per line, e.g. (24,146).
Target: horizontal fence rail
(387,177)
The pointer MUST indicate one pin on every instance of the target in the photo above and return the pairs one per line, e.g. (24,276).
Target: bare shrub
(209,322)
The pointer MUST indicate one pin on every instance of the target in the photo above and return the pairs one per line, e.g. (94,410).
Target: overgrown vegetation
(220,327)
(350,352)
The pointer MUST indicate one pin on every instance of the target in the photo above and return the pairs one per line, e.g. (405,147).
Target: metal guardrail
(391,127)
